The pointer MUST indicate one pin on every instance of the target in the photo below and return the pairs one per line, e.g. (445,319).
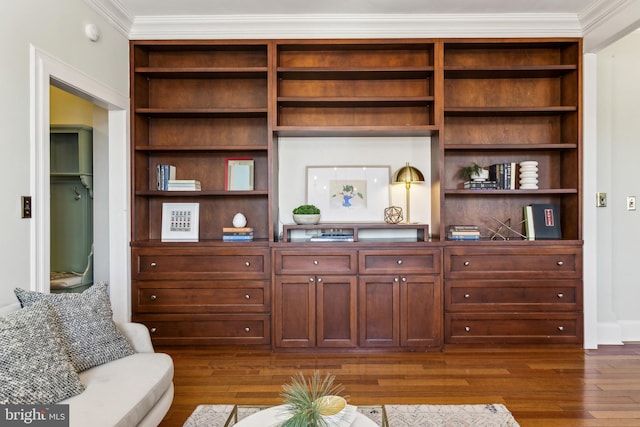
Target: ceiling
(138,8)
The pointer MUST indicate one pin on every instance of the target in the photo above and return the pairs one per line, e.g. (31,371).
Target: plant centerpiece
(474,172)
(310,401)
(306,214)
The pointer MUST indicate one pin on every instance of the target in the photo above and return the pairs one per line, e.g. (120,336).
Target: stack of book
(480,185)
(504,174)
(183,185)
(542,221)
(463,232)
(164,173)
(237,234)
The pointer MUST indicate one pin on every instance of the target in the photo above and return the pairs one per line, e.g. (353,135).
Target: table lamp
(408,175)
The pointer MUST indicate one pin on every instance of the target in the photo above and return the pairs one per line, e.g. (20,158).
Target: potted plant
(312,402)
(474,172)
(306,214)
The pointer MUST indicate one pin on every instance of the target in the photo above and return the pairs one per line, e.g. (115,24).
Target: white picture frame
(180,222)
(239,174)
(349,193)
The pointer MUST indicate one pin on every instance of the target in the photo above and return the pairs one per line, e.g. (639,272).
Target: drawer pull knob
(561,328)
(560,263)
(247,329)
(315,262)
(467,263)
(399,262)
(467,296)
(153,297)
(247,296)
(560,295)
(467,329)
(247,264)
(153,330)
(154,264)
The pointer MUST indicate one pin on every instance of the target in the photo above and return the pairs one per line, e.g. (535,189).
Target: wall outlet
(631,203)
(601,200)
(26,206)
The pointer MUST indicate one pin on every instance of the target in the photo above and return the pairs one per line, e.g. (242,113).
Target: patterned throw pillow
(86,325)
(34,365)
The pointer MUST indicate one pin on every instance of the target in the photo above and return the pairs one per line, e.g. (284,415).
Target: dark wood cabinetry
(366,298)
(513,294)
(194,104)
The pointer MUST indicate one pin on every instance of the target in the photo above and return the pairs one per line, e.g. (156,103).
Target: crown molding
(606,21)
(355,26)
(114,12)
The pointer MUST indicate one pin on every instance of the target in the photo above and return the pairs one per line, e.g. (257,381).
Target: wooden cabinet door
(420,311)
(336,305)
(379,305)
(294,311)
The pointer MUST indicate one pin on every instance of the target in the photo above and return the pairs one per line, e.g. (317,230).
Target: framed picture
(239,174)
(180,222)
(349,193)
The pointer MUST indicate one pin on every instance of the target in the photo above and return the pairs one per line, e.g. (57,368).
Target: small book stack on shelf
(237,234)
(463,232)
(504,174)
(164,173)
(480,185)
(542,221)
(183,185)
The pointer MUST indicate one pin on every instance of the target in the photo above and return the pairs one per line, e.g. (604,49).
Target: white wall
(296,153)
(57,28)
(618,154)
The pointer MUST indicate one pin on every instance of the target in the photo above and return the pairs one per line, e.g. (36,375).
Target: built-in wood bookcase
(355,86)
(195,105)
(486,101)
(510,101)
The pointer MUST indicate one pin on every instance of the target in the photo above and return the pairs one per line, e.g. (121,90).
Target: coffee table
(275,415)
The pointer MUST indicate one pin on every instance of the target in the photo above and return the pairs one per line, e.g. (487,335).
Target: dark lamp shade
(408,174)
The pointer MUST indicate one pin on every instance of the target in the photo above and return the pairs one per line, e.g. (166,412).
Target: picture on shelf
(180,222)
(239,174)
(349,193)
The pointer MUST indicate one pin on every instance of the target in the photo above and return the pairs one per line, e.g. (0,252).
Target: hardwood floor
(540,386)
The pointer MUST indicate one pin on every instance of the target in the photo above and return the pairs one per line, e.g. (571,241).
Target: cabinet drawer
(200,263)
(399,261)
(208,329)
(201,297)
(513,295)
(315,262)
(514,328)
(513,262)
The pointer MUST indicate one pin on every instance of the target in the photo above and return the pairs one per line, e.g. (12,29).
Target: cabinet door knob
(247,264)
(399,262)
(395,279)
(404,279)
(467,296)
(247,296)
(560,263)
(311,279)
(561,295)
(247,329)
(153,330)
(319,279)
(153,297)
(467,264)
(153,264)
(467,329)
(561,328)
(315,262)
